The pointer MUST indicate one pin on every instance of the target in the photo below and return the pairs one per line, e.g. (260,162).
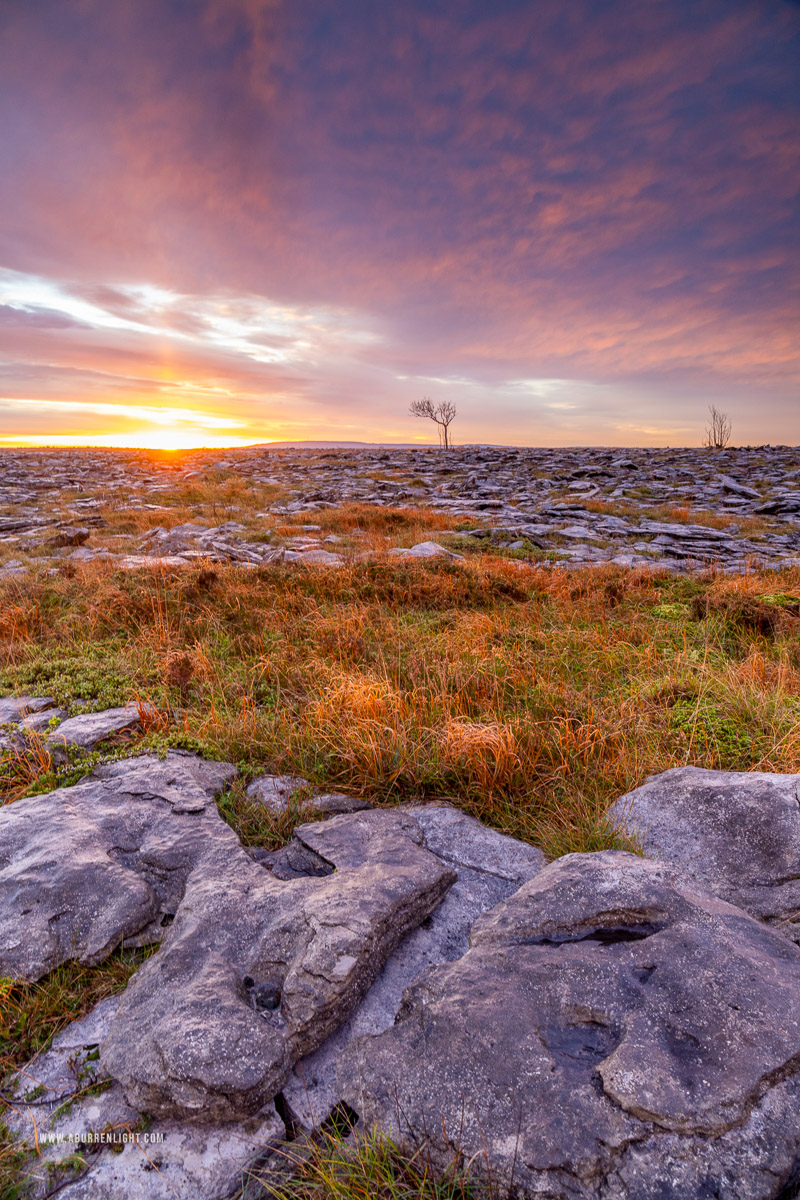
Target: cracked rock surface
(603,1028)
(612,1028)
(83,868)
(736,833)
(259,968)
(58,1097)
(489,867)
(524,498)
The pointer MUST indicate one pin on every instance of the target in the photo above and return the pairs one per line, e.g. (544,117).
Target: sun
(145,439)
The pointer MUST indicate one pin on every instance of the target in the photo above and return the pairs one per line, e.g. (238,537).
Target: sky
(233,221)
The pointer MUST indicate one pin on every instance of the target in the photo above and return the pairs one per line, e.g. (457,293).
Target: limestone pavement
(602,1027)
(739,507)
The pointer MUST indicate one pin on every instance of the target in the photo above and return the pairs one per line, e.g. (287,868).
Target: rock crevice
(603,1028)
(686,1030)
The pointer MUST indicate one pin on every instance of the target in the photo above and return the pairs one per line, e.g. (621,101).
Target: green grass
(31,1014)
(528,696)
(361,1167)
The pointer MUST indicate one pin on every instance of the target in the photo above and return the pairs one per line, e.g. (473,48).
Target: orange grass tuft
(530,697)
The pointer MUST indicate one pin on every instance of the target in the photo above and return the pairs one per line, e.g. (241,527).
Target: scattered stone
(71,536)
(524,492)
(321,558)
(39,712)
(14,708)
(426,550)
(739,489)
(137,562)
(690,533)
(42,721)
(737,834)
(13,568)
(83,868)
(613,1031)
(89,729)
(275,791)
(220,543)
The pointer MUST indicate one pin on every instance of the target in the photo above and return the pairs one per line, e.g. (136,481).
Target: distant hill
(312,445)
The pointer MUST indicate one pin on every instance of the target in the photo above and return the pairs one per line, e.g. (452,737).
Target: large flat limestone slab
(258,968)
(83,868)
(489,867)
(613,1033)
(736,833)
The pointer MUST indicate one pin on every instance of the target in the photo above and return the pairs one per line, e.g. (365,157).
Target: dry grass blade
(22,765)
(366,1167)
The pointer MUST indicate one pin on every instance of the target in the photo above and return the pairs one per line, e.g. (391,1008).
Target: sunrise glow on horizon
(146,440)
(243,222)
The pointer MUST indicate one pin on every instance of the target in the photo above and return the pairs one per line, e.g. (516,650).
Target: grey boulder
(613,1033)
(425,550)
(71,535)
(13,568)
(258,970)
(135,562)
(737,834)
(276,792)
(14,708)
(489,867)
(24,714)
(82,868)
(320,558)
(63,1100)
(39,722)
(88,729)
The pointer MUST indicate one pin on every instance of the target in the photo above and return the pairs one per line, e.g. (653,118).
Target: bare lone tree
(442,413)
(718,430)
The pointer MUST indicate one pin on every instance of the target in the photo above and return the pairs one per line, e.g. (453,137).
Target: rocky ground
(682,508)
(294,959)
(602,1027)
